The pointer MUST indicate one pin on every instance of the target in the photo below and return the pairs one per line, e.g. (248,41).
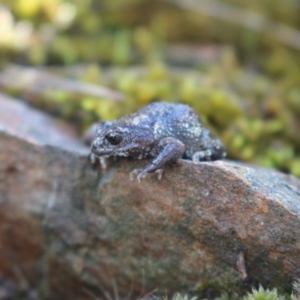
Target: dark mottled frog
(162,131)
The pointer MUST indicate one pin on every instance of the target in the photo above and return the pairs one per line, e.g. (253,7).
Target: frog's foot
(135,172)
(205,155)
(94,159)
(142,173)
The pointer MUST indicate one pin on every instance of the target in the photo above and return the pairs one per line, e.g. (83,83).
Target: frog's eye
(114,138)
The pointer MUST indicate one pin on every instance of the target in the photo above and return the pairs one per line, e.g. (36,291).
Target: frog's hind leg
(208,155)
(205,155)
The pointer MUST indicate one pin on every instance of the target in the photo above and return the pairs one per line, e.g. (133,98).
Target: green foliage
(263,294)
(296,290)
(133,31)
(226,296)
(256,294)
(179,296)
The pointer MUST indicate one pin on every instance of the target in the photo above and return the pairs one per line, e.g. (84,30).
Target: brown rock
(77,232)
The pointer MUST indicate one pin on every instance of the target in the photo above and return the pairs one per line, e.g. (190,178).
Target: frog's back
(175,120)
(160,110)
(168,113)
(181,122)
(157,114)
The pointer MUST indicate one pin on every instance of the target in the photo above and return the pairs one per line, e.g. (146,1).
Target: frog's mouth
(98,151)
(108,152)
(100,147)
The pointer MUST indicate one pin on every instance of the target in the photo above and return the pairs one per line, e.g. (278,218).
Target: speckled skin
(162,131)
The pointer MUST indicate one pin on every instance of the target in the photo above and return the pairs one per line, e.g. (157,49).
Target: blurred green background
(236,62)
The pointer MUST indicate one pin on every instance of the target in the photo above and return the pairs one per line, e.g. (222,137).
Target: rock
(76,232)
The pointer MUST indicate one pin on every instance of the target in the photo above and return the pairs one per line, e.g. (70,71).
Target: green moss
(181,297)
(296,290)
(263,294)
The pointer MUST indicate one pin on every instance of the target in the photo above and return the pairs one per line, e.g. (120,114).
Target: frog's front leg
(169,150)
(94,159)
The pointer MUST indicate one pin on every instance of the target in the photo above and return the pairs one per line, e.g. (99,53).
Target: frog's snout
(96,144)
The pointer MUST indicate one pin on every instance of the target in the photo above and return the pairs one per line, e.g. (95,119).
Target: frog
(161,131)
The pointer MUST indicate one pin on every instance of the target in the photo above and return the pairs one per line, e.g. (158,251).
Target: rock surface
(76,232)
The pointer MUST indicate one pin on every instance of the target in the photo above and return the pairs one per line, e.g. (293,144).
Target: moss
(296,290)
(255,294)
(263,294)
(181,297)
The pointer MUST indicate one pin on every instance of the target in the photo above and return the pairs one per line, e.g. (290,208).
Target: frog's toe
(93,158)
(135,172)
(141,175)
(159,173)
(102,161)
